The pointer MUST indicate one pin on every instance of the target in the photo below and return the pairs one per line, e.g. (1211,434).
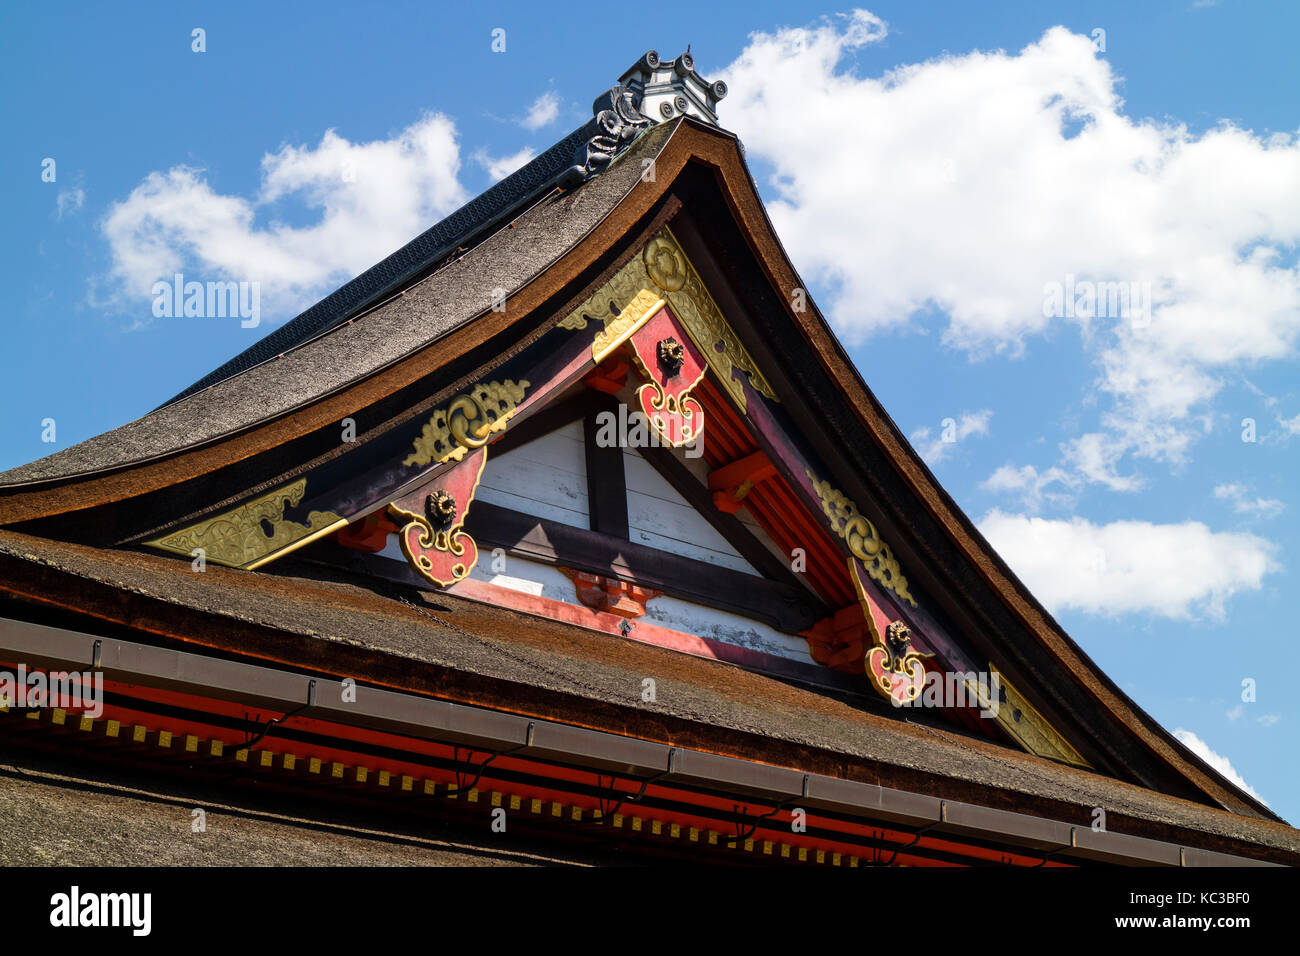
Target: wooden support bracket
(731,483)
(614,595)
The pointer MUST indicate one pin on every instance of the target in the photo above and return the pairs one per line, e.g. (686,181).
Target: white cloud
(1268,720)
(1242,502)
(1290,427)
(69,201)
(952,431)
(1171,570)
(370,197)
(1199,747)
(543,111)
(971,182)
(1095,457)
(499,167)
(1031,486)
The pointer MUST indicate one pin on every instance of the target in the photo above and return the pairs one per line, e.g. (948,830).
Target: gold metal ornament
(895,669)
(665,263)
(661,275)
(863,539)
(620,328)
(467,423)
(694,307)
(252,533)
(1026,725)
(433,538)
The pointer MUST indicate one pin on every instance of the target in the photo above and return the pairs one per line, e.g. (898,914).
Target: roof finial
(666,89)
(652,91)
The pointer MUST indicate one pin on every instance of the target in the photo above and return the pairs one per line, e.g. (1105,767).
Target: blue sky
(932,168)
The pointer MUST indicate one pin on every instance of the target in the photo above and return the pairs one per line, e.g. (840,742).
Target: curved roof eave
(410,320)
(927,489)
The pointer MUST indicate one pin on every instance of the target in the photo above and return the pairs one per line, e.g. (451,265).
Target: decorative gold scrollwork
(663,274)
(672,368)
(248,535)
(670,269)
(863,539)
(421,543)
(896,669)
(467,423)
(613,299)
(432,521)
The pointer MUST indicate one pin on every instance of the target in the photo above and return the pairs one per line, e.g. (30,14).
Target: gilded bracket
(1026,725)
(432,521)
(672,368)
(432,518)
(896,670)
(661,275)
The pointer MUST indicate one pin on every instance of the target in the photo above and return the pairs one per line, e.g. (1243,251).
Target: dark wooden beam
(786,607)
(606,481)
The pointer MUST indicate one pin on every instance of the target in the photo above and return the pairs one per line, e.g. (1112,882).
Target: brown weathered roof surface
(56,815)
(497,657)
(456,293)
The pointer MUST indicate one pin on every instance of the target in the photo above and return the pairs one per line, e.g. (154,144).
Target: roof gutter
(38,645)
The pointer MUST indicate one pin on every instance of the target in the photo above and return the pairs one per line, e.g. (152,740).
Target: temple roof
(650,92)
(417,330)
(446,240)
(495,243)
(61,812)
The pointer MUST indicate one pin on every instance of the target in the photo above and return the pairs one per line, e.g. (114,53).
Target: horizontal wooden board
(718,625)
(659,517)
(546,477)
